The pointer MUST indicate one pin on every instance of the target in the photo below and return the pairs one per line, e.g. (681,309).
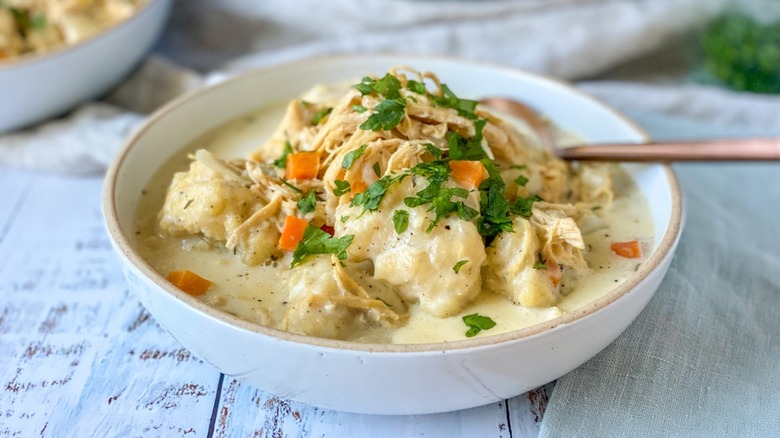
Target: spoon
(749,149)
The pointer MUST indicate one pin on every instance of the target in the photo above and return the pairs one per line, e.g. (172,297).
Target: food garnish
(459,265)
(189,282)
(476,323)
(351,156)
(302,165)
(400,199)
(307,203)
(630,250)
(400,220)
(292,233)
(317,241)
(282,161)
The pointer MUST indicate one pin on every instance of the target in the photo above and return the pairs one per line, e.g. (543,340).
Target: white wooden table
(81,357)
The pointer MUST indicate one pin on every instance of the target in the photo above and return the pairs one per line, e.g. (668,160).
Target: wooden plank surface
(81,357)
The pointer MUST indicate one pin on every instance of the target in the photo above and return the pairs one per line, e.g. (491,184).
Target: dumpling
(418,264)
(216,201)
(324,301)
(211,199)
(509,269)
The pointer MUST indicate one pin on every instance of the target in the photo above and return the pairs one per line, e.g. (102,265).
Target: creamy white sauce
(256,293)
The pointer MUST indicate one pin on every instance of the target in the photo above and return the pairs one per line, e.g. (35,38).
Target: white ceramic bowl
(384,379)
(36,87)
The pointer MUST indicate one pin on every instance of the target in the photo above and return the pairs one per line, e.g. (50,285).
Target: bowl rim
(126,249)
(28,59)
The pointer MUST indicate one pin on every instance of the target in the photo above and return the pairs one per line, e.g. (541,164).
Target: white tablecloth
(703,359)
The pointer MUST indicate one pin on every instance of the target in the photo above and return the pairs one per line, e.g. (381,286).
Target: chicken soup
(390,211)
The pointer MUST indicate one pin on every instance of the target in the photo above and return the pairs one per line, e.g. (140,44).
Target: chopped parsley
(441,203)
(471,149)
(465,212)
(476,323)
(433,150)
(351,156)
(439,197)
(387,115)
(317,241)
(417,87)
(522,206)
(436,171)
(540,265)
(282,161)
(494,206)
(495,210)
(189,201)
(359,108)
(291,186)
(307,203)
(321,114)
(38,21)
(22,19)
(448,99)
(366,86)
(389,86)
(344,219)
(342,187)
(521,180)
(400,220)
(374,193)
(459,265)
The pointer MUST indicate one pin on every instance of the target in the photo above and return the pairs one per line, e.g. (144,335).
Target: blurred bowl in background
(37,87)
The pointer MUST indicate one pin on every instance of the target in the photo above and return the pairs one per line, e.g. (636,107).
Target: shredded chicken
(434,244)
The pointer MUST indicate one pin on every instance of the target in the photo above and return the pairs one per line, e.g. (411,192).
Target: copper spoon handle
(749,149)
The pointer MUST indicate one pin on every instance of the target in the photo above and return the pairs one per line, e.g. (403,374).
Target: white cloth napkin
(556,37)
(703,358)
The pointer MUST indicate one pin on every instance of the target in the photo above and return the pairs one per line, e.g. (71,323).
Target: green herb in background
(743,53)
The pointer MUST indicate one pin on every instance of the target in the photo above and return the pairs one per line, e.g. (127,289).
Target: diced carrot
(302,165)
(342,173)
(555,271)
(189,282)
(292,233)
(358,186)
(629,250)
(2,54)
(469,174)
